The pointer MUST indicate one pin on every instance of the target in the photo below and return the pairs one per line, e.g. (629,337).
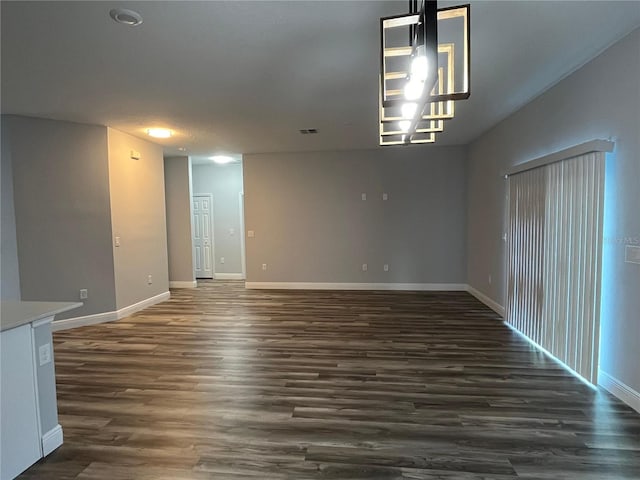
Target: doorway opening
(218,219)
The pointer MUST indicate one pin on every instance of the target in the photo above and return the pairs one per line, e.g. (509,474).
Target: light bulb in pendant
(409,110)
(419,68)
(413,89)
(404,125)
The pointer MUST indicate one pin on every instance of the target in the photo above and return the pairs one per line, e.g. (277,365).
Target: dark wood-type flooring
(227,383)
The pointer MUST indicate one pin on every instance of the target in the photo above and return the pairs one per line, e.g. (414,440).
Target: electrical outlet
(84,294)
(221,259)
(385,197)
(150,279)
(364,196)
(251,233)
(44,352)
(232,231)
(385,267)
(264,266)
(365,267)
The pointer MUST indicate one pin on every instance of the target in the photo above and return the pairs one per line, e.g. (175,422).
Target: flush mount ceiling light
(221,159)
(159,132)
(126,17)
(424,69)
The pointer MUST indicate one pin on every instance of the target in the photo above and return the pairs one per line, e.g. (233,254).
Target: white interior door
(202,235)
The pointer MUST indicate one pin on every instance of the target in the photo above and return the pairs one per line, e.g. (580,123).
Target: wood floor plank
(223,383)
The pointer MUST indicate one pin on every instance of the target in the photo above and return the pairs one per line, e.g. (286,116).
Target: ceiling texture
(245,77)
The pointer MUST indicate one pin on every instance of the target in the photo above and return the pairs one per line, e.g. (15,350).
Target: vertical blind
(555,258)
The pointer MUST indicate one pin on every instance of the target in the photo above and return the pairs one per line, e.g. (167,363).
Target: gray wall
(10,286)
(177,184)
(311,224)
(225,183)
(63,219)
(138,218)
(600,100)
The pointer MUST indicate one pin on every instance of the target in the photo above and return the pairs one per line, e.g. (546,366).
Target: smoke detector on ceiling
(126,17)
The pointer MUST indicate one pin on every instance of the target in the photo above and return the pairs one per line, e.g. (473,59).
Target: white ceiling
(244,77)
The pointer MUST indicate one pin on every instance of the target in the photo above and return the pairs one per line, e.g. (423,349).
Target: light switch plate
(44,352)
(364,196)
(250,233)
(385,197)
(632,254)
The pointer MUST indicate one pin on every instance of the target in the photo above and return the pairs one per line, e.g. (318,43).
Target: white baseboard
(619,389)
(182,284)
(228,276)
(74,322)
(68,323)
(492,304)
(147,302)
(356,286)
(52,440)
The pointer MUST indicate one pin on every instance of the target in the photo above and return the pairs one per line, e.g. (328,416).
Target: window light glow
(159,132)
(553,357)
(611,300)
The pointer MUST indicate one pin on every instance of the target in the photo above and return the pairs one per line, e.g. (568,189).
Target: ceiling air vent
(307,131)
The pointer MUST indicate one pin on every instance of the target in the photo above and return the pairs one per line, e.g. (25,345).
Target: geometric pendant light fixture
(424,69)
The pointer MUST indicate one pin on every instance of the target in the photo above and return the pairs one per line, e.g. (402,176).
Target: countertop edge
(24,312)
